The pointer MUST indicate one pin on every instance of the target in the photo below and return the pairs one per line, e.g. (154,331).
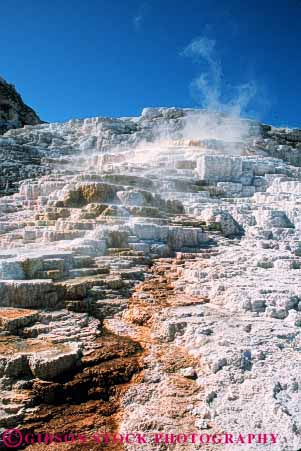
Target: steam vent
(150,277)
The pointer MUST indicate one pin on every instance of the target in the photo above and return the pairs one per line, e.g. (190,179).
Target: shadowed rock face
(13,111)
(16,162)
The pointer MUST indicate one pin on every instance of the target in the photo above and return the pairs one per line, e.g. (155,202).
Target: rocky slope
(17,162)
(13,111)
(150,283)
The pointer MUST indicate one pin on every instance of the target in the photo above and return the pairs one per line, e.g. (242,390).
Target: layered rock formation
(150,282)
(30,152)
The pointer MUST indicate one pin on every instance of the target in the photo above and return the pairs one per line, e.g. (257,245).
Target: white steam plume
(209,86)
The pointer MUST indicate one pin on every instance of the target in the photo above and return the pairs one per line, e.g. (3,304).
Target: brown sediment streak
(160,287)
(91,400)
(87,402)
(151,299)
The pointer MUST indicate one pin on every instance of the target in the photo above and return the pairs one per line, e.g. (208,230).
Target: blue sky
(78,58)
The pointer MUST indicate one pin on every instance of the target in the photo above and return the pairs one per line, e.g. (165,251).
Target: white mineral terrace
(121,194)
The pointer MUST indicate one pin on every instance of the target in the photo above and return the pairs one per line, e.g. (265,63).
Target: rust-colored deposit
(89,401)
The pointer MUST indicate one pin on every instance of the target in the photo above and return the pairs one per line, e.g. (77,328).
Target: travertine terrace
(150,279)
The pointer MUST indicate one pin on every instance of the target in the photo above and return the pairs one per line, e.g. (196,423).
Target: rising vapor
(209,86)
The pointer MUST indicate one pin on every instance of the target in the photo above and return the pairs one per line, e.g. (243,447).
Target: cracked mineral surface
(150,280)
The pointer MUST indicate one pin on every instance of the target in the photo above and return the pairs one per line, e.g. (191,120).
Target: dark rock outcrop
(17,162)
(13,111)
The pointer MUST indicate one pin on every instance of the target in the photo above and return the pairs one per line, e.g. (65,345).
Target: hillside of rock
(17,162)
(13,111)
(150,282)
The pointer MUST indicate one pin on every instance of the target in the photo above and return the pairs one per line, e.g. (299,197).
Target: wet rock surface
(151,283)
